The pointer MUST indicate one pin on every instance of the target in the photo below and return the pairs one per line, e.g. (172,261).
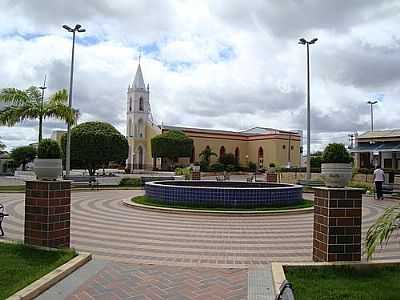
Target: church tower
(138,118)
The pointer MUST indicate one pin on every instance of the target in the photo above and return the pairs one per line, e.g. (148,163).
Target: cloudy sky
(227,64)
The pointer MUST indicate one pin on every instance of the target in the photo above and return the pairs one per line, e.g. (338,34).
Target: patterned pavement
(146,246)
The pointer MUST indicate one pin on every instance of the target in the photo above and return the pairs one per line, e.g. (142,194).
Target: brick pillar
(337,224)
(271,177)
(195,175)
(47,213)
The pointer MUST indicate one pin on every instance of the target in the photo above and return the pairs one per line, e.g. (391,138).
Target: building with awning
(374,148)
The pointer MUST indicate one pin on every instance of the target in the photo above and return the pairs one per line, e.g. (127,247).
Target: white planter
(336,174)
(196,168)
(47,169)
(179,177)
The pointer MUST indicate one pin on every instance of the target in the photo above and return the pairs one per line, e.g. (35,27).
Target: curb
(129,203)
(42,284)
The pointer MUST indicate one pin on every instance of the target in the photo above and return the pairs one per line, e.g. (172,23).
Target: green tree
(228,159)
(171,145)
(206,154)
(23,155)
(336,153)
(95,144)
(21,105)
(380,232)
(2,147)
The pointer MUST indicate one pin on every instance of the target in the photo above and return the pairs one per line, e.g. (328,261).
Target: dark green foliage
(272,165)
(231,168)
(336,153)
(315,162)
(204,166)
(95,144)
(23,155)
(49,149)
(172,145)
(227,159)
(252,166)
(133,182)
(344,282)
(21,265)
(216,168)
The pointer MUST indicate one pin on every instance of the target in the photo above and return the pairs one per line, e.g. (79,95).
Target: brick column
(195,175)
(47,213)
(271,177)
(337,224)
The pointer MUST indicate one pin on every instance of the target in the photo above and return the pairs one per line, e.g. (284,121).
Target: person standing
(379,179)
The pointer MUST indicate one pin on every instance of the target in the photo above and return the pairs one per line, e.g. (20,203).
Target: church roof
(249,132)
(138,82)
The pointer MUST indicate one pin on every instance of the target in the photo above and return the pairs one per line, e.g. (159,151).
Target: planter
(336,175)
(47,169)
(196,168)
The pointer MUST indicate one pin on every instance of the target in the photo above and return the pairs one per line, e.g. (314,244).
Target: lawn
(21,265)
(12,188)
(343,282)
(145,200)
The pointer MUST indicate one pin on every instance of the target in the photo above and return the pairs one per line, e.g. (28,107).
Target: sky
(227,64)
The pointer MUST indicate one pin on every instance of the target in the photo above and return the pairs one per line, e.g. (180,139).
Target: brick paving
(128,281)
(145,246)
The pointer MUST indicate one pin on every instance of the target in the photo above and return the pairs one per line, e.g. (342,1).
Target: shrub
(187,172)
(227,159)
(336,153)
(204,165)
(216,167)
(49,149)
(252,166)
(362,185)
(131,182)
(231,168)
(272,165)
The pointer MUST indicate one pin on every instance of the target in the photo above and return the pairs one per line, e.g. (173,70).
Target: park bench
(2,215)
(79,181)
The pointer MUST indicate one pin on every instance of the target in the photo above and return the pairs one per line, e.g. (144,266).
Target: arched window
(237,155)
(130,104)
(140,129)
(192,157)
(140,162)
(141,104)
(130,128)
(260,157)
(221,151)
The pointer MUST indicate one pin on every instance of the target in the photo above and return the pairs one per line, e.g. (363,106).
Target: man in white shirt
(379,178)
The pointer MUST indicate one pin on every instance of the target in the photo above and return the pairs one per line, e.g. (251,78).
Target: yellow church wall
(150,132)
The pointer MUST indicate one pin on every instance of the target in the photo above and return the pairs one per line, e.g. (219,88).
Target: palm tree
(380,232)
(28,104)
(206,154)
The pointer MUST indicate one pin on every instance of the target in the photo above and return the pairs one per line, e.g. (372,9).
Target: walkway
(142,247)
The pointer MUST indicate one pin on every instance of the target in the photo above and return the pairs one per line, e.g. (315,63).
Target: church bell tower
(138,115)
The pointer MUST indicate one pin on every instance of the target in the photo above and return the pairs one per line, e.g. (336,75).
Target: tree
(21,105)
(206,154)
(228,159)
(171,144)
(380,232)
(23,155)
(95,144)
(2,147)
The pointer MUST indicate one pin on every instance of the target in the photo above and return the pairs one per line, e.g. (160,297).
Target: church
(259,145)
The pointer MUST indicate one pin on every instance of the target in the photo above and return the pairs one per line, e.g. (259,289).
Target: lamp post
(303,41)
(371,103)
(43,87)
(77,28)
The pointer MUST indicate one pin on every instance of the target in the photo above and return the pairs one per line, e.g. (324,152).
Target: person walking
(379,179)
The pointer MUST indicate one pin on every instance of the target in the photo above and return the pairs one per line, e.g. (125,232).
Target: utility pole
(43,87)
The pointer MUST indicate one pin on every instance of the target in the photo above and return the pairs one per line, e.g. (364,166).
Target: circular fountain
(226,194)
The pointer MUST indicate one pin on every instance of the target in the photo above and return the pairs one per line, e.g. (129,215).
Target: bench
(2,215)
(89,181)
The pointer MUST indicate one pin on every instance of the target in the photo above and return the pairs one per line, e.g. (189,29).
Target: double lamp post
(77,28)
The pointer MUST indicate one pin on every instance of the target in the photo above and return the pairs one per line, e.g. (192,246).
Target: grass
(12,188)
(145,200)
(20,265)
(131,182)
(344,282)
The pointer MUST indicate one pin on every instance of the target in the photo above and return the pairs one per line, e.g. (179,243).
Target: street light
(77,28)
(303,41)
(371,103)
(43,87)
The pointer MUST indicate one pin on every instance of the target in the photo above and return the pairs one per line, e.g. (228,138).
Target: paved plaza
(153,255)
